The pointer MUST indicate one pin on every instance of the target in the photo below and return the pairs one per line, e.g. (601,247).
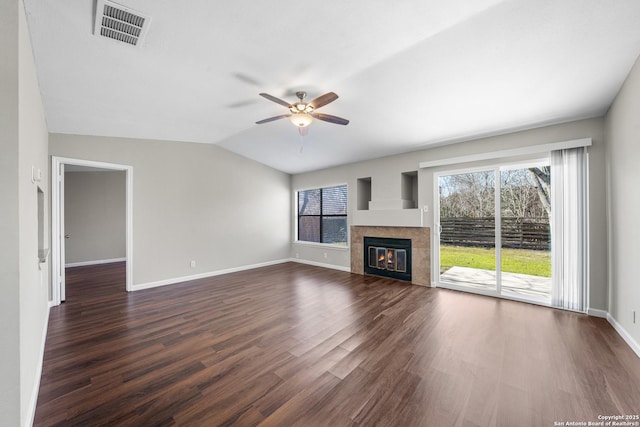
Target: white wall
(34,277)
(193,202)
(622,131)
(386,172)
(9,230)
(95,216)
(23,306)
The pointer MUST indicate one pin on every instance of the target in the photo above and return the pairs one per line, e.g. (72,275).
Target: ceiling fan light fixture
(301,119)
(302,113)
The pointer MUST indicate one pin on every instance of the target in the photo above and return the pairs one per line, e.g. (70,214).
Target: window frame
(321,216)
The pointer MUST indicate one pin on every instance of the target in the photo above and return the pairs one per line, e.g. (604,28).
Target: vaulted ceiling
(409,74)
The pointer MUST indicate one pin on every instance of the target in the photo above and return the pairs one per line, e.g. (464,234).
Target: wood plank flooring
(296,345)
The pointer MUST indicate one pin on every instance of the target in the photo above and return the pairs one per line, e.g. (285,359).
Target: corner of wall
(33,167)
(621,134)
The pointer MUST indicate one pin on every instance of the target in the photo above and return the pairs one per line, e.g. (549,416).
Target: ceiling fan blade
(331,119)
(271,119)
(276,100)
(323,100)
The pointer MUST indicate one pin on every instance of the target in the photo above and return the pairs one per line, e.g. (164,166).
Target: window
(322,215)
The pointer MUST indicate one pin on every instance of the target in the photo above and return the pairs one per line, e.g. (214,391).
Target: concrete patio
(519,285)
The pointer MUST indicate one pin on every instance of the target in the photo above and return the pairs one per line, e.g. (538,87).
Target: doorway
(59,166)
(493,233)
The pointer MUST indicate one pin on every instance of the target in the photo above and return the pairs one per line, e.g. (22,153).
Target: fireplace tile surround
(420,248)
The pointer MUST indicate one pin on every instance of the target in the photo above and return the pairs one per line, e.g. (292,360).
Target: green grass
(523,261)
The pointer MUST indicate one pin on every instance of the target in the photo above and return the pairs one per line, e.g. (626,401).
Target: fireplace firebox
(388,257)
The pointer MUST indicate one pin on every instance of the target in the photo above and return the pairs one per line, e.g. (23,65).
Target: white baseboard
(33,401)
(175,280)
(320,264)
(597,313)
(96,262)
(624,334)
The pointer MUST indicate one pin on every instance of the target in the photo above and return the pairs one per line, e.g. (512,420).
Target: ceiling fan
(302,113)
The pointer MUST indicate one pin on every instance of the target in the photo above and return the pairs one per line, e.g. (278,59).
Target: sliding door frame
(496,168)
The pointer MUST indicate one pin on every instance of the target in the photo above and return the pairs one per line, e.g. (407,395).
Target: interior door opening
(59,233)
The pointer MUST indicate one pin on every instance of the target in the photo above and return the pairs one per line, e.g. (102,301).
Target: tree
(542,180)
(519,198)
(525,193)
(468,195)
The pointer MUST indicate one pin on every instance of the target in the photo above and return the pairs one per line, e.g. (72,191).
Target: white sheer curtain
(569,238)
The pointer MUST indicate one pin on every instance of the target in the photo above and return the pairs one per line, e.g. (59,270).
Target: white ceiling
(409,74)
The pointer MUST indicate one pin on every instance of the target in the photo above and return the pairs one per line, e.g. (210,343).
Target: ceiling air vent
(120,23)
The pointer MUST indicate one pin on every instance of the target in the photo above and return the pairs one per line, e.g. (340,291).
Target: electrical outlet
(297,255)
(193,263)
(325,255)
(425,208)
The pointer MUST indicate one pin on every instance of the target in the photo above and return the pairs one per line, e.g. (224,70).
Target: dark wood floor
(298,345)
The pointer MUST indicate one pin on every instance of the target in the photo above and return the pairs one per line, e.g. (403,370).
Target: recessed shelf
(409,189)
(364,193)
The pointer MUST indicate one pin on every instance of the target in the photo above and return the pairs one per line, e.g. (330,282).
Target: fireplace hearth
(388,257)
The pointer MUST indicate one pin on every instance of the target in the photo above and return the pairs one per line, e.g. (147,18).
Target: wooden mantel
(420,248)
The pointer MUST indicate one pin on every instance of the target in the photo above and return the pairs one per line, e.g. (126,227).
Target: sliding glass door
(493,233)
(468,230)
(525,212)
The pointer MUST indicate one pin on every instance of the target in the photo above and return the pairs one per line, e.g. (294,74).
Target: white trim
(321,245)
(55,208)
(175,280)
(55,234)
(493,155)
(129,248)
(33,401)
(320,264)
(587,234)
(597,313)
(497,227)
(435,233)
(90,163)
(624,334)
(96,262)
(435,240)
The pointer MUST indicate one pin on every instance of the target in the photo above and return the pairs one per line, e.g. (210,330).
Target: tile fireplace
(415,259)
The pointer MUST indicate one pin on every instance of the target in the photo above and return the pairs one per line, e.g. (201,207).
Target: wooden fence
(521,233)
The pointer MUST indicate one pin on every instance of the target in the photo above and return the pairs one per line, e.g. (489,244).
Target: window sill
(322,245)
